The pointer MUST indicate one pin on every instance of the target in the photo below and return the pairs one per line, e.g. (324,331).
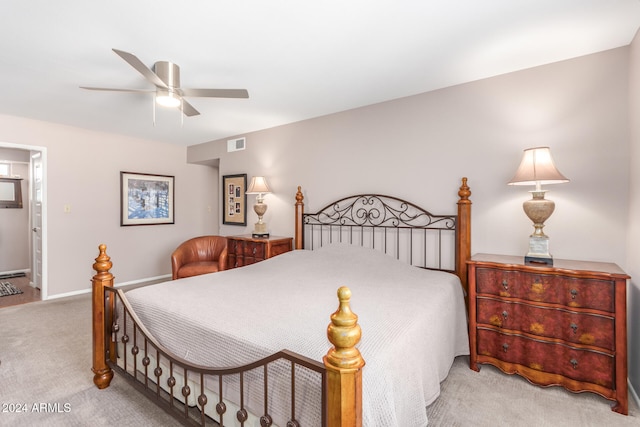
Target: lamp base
(538,251)
(535,260)
(260,235)
(260,229)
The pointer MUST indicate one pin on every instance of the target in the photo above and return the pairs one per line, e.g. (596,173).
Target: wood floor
(29,294)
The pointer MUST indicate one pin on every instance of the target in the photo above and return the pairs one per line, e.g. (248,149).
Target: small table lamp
(259,186)
(537,168)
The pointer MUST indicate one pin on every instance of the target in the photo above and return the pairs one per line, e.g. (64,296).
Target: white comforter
(413,321)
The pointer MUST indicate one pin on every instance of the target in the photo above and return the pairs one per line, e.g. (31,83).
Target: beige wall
(419,147)
(633,236)
(83,171)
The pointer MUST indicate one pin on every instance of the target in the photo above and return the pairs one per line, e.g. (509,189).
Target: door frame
(44,253)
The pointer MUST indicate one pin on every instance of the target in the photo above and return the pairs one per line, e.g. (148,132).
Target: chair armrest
(175,265)
(179,257)
(222,260)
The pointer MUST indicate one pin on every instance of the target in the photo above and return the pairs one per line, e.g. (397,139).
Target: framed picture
(10,193)
(234,199)
(146,199)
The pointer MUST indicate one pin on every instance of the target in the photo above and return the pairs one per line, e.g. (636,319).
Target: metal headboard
(393,226)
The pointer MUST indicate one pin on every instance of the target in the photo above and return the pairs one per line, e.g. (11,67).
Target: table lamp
(537,168)
(259,186)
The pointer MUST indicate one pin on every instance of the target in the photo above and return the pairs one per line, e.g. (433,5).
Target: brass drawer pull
(505,347)
(505,315)
(505,285)
(574,293)
(574,363)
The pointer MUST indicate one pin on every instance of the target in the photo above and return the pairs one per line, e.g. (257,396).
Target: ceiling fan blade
(188,109)
(216,93)
(142,69)
(116,89)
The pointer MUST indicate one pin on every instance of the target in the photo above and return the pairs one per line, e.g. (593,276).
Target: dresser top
(249,237)
(558,264)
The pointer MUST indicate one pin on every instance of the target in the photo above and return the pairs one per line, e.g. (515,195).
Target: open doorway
(25,227)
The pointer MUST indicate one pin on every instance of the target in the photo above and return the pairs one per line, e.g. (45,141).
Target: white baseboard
(633,393)
(117,285)
(67,294)
(148,279)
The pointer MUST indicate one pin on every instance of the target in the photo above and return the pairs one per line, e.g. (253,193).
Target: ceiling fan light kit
(169,73)
(167,98)
(165,76)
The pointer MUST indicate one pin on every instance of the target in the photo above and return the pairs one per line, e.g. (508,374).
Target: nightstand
(564,325)
(245,250)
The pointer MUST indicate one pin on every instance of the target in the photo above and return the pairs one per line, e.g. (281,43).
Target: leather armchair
(199,255)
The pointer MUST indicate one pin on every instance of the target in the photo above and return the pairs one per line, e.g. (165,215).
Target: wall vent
(236,144)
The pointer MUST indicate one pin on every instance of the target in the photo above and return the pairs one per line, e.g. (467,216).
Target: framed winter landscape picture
(146,199)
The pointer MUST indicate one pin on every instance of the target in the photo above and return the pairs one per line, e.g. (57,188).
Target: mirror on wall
(10,193)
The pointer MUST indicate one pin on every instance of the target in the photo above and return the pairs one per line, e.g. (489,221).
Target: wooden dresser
(564,325)
(245,250)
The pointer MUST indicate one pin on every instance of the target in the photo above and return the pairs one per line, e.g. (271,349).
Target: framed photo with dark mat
(234,199)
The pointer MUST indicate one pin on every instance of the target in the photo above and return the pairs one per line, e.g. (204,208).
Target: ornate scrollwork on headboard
(373,210)
(391,225)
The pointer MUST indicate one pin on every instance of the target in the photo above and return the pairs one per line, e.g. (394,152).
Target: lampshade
(537,168)
(258,185)
(167,98)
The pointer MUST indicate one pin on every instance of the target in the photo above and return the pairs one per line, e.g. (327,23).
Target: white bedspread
(413,321)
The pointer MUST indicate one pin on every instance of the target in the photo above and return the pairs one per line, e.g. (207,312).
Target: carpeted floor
(45,358)
(491,398)
(45,370)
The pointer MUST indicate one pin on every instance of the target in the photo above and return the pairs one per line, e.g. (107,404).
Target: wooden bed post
(344,366)
(299,234)
(102,372)
(463,235)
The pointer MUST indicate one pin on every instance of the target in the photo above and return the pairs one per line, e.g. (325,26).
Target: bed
(209,348)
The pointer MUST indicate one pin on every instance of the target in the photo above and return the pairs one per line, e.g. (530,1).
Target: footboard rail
(271,391)
(195,392)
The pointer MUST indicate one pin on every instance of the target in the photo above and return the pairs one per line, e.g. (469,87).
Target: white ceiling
(298,59)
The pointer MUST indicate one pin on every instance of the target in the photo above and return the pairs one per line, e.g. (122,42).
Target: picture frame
(11,193)
(146,199)
(234,199)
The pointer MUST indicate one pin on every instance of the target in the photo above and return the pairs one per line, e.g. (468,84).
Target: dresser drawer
(246,250)
(255,250)
(553,358)
(571,326)
(569,291)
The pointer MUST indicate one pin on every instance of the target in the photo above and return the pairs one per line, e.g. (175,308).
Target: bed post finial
(103,278)
(463,234)
(344,366)
(464,191)
(103,262)
(299,234)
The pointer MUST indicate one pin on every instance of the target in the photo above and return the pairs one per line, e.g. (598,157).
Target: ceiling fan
(166,78)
